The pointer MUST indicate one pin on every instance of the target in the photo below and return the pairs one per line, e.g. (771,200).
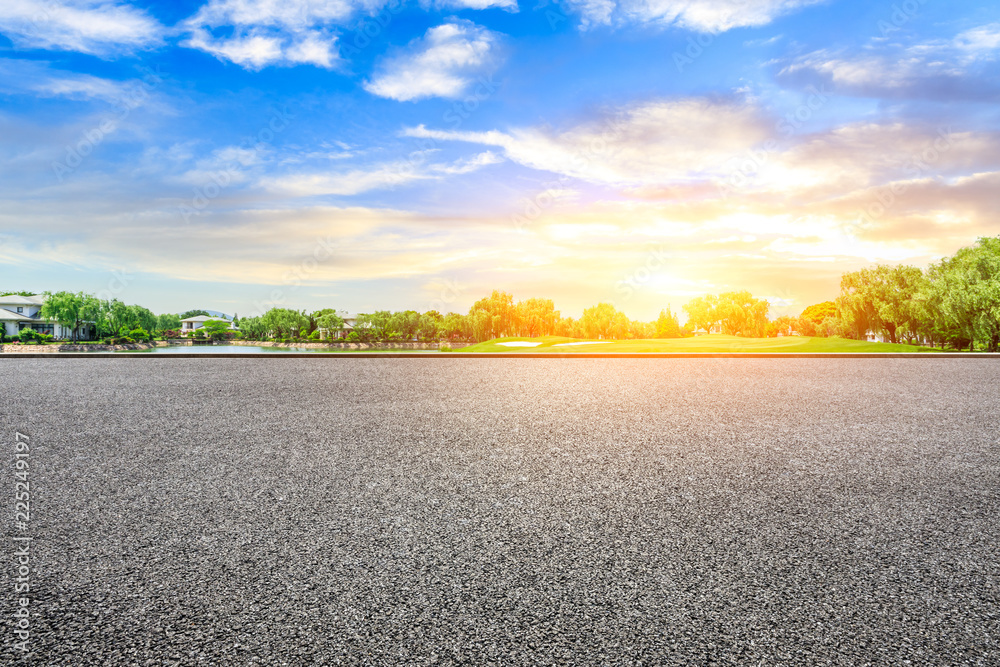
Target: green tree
(535,317)
(961,299)
(168,321)
(703,312)
(254,328)
(66,308)
(139,317)
(216,329)
(742,314)
(454,325)
(882,299)
(603,321)
(430,326)
(327,318)
(667,325)
(818,312)
(492,316)
(285,322)
(376,326)
(193,313)
(405,324)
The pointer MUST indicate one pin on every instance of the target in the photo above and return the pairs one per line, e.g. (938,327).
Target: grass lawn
(713,343)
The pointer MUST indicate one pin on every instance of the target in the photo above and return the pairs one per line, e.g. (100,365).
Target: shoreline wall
(70,347)
(348,346)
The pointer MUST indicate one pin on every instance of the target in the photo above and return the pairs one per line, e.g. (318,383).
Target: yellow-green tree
(742,314)
(703,311)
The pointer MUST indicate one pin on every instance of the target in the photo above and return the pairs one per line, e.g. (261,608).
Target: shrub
(29,336)
(444,347)
(353,337)
(139,334)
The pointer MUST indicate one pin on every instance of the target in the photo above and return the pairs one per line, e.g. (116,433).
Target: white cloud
(509,5)
(652,143)
(37,78)
(701,15)
(267,32)
(100,27)
(441,64)
(376,177)
(470,165)
(251,51)
(345,183)
(982,42)
(921,69)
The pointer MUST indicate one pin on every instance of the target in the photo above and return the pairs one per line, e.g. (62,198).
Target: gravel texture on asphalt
(511,512)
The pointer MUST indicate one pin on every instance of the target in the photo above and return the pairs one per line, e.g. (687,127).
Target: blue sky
(239,154)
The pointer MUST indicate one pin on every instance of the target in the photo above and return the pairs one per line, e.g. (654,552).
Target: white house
(716,329)
(350,321)
(192,324)
(22,312)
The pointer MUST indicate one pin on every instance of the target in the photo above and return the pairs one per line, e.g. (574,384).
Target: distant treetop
(818,312)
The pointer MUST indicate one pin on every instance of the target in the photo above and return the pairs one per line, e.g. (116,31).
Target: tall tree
(742,314)
(603,321)
(703,312)
(667,325)
(66,308)
(285,322)
(880,298)
(328,319)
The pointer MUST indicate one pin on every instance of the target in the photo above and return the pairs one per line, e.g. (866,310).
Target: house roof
(204,318)
(11,316)
(18,300)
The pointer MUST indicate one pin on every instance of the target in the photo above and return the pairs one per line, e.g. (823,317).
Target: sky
(365,155)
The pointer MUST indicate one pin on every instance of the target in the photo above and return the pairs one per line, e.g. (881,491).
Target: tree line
(954,302)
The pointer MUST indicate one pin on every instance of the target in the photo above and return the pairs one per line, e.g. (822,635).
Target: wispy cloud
(926,69)
(38,78)
(375,177)
(701,15)
(443,63)
(258,33)
(99,27)
(653,142)
(509,5)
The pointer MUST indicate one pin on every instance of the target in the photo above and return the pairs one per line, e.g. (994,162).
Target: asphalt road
(519,512)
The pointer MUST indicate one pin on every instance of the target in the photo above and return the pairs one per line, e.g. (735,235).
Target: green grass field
(713,343)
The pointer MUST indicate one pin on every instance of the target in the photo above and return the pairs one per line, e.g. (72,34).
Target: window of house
(20,309)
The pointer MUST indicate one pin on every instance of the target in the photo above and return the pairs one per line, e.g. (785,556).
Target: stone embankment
(70,347)
(348,346)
